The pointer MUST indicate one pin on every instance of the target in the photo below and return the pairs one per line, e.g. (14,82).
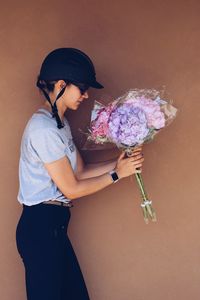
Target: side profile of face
(72,96)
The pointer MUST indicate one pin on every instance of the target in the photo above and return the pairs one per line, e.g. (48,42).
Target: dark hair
(48,85)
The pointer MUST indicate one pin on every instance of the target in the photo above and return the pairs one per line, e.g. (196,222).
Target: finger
(122,155)
(134,154)
(137,153)
(130,152)
(138,165)
(138,161)
(137,158)
(137,149)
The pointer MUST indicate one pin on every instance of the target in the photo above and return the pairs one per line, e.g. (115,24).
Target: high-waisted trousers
(52,271)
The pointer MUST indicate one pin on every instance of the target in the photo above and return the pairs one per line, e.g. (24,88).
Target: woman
(52,175)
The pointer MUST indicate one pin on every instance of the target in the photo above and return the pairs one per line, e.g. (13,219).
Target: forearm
(90,185)
(93,170)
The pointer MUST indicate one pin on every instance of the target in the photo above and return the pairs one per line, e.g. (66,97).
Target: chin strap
(54,106)
(55,110)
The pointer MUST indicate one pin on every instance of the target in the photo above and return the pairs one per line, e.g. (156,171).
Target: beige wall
(133,44)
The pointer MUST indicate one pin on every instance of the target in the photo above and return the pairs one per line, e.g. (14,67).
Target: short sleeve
(47,145)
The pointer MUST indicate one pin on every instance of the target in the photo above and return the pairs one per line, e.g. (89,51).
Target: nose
(85,95)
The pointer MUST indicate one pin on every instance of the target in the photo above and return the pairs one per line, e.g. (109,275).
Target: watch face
(114,176)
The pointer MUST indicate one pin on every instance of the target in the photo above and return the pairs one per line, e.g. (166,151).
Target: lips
(80,100)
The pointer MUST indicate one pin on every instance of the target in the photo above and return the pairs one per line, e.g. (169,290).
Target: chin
(74,107)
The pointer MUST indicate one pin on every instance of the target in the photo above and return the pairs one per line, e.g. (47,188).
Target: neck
(61,109)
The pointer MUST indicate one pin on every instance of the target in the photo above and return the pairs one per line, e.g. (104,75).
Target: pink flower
(155,117)
(99,126)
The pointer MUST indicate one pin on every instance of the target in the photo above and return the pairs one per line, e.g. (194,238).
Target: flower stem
(148,211)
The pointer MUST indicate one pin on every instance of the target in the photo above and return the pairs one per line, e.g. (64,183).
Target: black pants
(51,268)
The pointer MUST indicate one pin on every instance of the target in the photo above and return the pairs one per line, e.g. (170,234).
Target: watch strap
(114,176)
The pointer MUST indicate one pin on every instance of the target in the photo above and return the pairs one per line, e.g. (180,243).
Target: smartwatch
(114,176)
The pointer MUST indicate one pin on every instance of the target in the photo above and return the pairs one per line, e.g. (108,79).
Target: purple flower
(155,117)
(128,125)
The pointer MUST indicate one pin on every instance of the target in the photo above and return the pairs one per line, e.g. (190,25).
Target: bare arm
(62,174)
(65,179)
(84,171)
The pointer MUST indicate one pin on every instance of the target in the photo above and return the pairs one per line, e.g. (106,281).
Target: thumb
(122,155)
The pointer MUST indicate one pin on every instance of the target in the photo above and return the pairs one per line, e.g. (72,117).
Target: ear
(60,84)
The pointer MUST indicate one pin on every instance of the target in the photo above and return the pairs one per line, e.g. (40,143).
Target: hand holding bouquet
(128,122)
(131,165)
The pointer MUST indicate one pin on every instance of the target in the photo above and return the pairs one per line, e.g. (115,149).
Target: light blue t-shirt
(42,142)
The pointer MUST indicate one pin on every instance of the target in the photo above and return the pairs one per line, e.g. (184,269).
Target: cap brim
(96,85)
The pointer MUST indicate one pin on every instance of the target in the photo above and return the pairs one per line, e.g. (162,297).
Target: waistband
(51,203)
(56,202)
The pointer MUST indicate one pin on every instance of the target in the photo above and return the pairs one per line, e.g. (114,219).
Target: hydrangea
(129,120)
(155,117)
(127,125)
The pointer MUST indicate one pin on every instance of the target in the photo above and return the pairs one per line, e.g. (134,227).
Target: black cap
(69,64)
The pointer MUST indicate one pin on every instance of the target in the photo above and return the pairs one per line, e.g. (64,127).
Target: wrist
(114,175)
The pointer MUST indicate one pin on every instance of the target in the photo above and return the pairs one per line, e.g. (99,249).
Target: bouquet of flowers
(128,122)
